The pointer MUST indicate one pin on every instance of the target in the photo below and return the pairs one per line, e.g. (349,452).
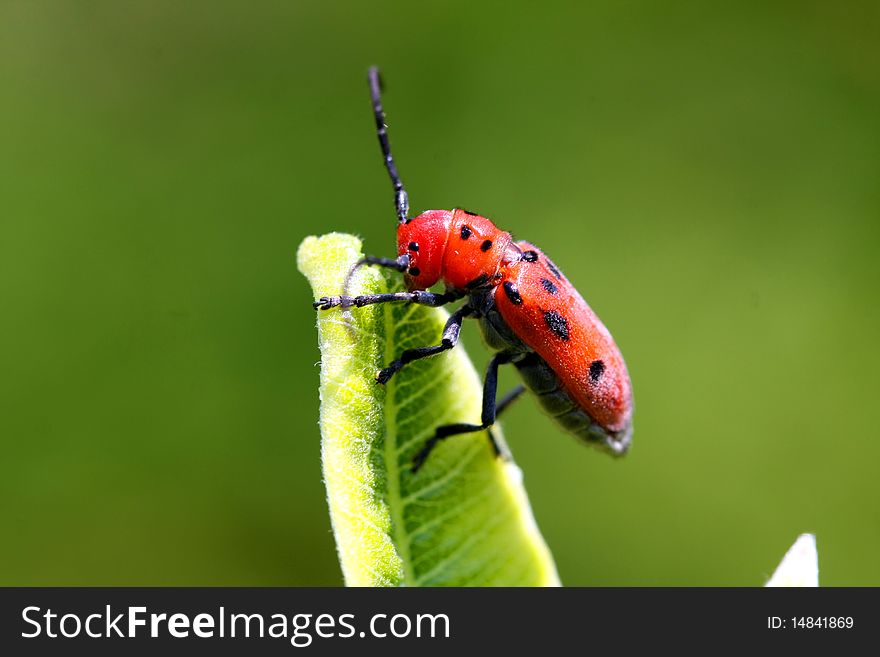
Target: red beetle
(529,314)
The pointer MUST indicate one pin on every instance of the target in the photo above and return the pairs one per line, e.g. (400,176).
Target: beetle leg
(421,297)
(448,341)
(491,409)
(399,264)
(498,444)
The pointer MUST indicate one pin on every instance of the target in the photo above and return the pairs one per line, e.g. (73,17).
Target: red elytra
(529,313)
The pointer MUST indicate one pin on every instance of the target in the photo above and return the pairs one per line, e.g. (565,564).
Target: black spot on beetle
(485,246)
(553,268)
(414,271)
(530,256)
(414,246)
(482,279)
(597,368)
(557,323)
(469,213)
(466,232)
(512,294)
(548,285)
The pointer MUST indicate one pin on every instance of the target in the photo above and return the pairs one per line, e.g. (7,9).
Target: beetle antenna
(401,200)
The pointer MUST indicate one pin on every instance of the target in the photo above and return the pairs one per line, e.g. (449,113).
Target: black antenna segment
(401,200)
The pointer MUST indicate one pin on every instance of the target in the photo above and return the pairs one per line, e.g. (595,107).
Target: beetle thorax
(464,250)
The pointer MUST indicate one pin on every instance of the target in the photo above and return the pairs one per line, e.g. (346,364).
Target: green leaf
(463,519)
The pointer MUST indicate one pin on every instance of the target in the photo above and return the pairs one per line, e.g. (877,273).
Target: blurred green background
(707,175)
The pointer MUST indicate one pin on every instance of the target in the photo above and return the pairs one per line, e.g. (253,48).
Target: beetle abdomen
(556,402)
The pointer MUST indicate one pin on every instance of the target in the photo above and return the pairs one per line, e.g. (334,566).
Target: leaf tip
(320,258)
(799,566)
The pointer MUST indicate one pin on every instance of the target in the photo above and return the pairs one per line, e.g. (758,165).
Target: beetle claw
(326,303)
(384,375)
